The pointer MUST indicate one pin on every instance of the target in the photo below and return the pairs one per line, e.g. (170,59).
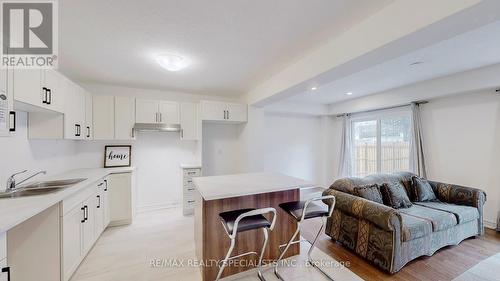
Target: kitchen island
(218,194)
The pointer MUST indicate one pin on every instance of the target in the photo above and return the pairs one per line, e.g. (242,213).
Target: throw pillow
(370,192)
(394,195)
(422,190)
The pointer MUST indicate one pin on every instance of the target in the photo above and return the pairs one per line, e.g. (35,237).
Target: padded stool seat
(296,208)
(247,223)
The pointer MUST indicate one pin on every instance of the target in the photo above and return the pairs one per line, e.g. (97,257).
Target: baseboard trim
(490,224)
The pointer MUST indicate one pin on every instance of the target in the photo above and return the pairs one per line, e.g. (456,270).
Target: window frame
(377,116)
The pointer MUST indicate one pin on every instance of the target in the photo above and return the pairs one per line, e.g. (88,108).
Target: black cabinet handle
(191,201)
(49,96)
(44,95)
(106,185)
(227,114)
(12,119)
(99,201)
(78,130)
(88,131)
(83,209)
(7,270)
(86,212)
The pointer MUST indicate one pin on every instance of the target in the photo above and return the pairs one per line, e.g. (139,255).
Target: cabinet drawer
(189,188)
(189,173)
(188,182)
(189,203)
(3,246)
(75,200)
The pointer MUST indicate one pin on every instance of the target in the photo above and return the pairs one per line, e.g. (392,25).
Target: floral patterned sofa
(390,238)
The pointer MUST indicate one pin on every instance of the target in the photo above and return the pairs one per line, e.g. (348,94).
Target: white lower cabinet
(82,225)
(119,187)
(72,240)
(4,270)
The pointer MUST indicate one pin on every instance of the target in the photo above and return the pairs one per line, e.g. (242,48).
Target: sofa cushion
(440,220)
(394,195)
(370,192)
(414,227)
(462,213)
(422,191)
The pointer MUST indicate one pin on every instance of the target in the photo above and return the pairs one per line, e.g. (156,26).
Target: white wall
(462,142)
(17,153)
(287,143)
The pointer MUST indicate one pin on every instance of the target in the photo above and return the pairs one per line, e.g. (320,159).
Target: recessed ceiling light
(349,93)
(314,88)
(172,62)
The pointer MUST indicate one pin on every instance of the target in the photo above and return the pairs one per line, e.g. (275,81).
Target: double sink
(40,188)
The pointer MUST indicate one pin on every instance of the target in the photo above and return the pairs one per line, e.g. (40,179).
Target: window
(381,143)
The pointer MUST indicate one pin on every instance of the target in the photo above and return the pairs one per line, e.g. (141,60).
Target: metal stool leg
(290,242)
(259,266)
(309,259)
(226,259)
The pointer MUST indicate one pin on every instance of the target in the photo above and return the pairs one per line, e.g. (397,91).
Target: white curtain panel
(345,163)
(417,155)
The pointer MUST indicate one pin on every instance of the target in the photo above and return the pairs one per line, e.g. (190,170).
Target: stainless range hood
(157,127)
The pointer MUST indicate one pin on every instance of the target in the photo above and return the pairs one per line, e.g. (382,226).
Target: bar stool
(300,211)
(242,220)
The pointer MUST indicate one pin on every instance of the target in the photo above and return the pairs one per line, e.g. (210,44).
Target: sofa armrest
(380,215)
(460,195)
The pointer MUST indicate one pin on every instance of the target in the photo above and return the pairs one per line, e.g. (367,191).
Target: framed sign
(117,156)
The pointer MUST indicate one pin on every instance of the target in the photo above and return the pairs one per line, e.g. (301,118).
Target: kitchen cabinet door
(72,240)
(103,108)
(213,111)
(236,112)
(99,215)
(88,132)
(124,118)
(28,88)
(71,126)
(4,276)
(105,203)
(189,121)
(88,233)
(146,111)
(169,112)
(6,101)
(120,198)
(51,80)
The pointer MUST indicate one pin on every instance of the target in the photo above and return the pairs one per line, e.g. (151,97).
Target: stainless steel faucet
(11,182)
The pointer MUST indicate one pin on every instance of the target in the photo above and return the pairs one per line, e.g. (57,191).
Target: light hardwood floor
(125,253)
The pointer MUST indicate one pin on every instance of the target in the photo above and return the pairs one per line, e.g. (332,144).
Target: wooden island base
(212,242)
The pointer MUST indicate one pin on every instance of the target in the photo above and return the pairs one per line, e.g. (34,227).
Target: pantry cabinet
(157,111)
(223,112)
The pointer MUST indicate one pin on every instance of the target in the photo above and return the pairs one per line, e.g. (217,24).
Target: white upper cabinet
(39,89)
(6,101)
(74,111)
(124,118)
(169,112)
(88,117)
(104,117)
(146,111)
(189,121)
(27,88)
(113,117)
(223,111)
(156,111)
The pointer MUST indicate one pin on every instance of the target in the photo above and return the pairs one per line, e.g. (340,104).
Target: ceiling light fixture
(314,88)
(172,62)
(349,93)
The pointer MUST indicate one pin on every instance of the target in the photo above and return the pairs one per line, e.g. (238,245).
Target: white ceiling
(467,51)
(233,44)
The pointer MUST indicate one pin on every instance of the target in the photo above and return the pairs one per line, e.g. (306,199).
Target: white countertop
(220,187)
(14,211)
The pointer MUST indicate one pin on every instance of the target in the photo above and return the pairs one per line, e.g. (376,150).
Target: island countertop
(227,186)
